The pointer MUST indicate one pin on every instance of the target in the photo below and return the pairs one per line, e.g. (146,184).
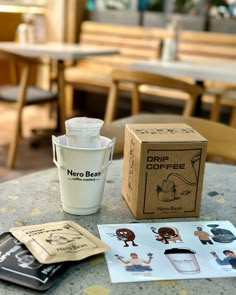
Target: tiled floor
(28,159)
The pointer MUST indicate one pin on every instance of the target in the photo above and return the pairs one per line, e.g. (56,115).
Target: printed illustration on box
(174,179)
(168,191)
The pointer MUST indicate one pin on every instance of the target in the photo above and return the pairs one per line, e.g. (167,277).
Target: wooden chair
(228,93)
(221,138)
(21,95)
(135,79)
(211,46)
(94,72)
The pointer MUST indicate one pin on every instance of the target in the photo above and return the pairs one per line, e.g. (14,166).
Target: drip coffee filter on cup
(82,157)
(83,132)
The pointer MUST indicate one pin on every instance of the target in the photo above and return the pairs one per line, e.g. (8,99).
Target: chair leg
(13,144)
(61,90)
(215,109)
(20,128)
(69,100)
(232,121)
(135,100)
(17,130)
(111,104)
(189,106)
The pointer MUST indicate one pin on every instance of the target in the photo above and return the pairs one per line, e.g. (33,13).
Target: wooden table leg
(198,107)
(61,93)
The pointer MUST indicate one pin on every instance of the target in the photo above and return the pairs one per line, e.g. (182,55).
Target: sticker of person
(230,258)
(136,264)
(203,236)
(167,234)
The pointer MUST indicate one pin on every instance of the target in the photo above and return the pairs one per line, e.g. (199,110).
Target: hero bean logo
(79,175)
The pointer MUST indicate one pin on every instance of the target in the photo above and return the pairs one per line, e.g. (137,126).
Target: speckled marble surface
(35,199)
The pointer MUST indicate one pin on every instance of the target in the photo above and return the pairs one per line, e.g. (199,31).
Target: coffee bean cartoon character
(167,234)
(126,235)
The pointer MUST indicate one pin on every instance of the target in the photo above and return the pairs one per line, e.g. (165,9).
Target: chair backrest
(138,78)
(209,46)
(133,42)
(221,138)
(206,45)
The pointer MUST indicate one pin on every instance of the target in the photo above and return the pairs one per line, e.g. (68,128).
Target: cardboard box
(163,170)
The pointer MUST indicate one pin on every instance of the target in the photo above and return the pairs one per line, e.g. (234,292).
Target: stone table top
(35,199)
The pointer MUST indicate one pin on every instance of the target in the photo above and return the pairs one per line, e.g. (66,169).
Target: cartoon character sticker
(230,258)
(167,234)
(126,235)
(136,264)
(221,235)
(183,260)
(203,236)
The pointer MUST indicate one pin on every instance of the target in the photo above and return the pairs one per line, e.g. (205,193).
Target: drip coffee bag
(19,266)
(59,241)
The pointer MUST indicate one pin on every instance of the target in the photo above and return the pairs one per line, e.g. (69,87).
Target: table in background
(60,53)
(200,71)
(35,199)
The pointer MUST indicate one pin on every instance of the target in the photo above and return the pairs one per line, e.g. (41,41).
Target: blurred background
(60,21)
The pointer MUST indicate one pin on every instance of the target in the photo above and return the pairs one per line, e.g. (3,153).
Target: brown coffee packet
(59,241)
(17,265)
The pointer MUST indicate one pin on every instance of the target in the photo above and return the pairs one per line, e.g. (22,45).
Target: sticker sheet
(166,251)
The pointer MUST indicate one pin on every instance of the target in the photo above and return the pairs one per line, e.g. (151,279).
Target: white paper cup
(82,174)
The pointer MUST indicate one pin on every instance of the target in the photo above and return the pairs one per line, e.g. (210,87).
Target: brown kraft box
(163,170)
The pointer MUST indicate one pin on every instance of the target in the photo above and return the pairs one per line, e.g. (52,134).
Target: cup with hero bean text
(82,174)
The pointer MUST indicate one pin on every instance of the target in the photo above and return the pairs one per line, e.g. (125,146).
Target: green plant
(184,6)
(155,5)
